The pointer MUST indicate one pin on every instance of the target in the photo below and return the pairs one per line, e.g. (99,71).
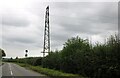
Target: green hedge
(78,56)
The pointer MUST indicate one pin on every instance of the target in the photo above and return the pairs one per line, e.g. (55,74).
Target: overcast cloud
(23,24)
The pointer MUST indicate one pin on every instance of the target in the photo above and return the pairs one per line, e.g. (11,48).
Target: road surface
(10,70)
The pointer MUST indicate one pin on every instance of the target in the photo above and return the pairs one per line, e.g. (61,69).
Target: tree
(11,58)
(77,54)
(16,58)
(2,52)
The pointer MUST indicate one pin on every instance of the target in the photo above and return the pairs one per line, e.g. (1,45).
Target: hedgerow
(78,56)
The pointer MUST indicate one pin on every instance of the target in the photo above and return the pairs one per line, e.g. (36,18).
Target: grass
(49,72)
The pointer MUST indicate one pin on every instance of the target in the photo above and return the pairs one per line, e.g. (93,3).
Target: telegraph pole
(46,47)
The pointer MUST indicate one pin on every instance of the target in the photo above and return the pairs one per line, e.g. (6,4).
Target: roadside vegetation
(2,54)
(48,72)
(78,56)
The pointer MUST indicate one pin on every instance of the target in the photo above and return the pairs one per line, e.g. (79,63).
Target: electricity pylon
(46,47)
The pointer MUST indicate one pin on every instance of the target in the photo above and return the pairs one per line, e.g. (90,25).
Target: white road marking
(11,72)
(10,69)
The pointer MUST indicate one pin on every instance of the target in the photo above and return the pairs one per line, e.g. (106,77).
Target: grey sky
(23,24)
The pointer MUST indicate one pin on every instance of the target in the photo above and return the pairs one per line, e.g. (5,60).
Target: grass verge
(49,72)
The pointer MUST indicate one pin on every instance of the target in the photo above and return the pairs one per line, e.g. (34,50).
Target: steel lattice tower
(46,47)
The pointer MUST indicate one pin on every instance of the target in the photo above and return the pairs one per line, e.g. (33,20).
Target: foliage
(107,60)
(52,60)
(78,56)
(2,52)
(30,60)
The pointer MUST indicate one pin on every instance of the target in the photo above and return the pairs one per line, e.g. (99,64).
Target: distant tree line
(78,56)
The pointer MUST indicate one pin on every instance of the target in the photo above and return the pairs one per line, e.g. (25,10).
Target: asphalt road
(15,71)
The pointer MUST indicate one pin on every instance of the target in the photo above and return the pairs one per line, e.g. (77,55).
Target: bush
(53,60)
(79,57)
